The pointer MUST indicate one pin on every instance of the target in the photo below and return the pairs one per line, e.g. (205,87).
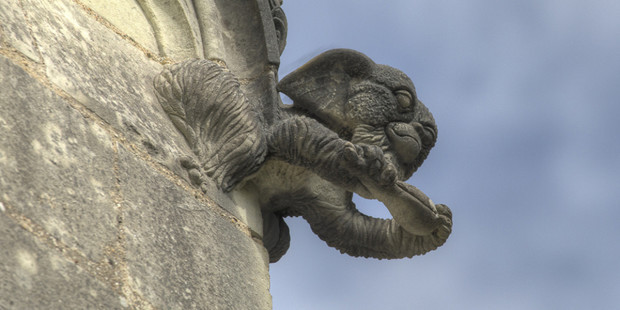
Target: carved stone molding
(280,23)
(211,29)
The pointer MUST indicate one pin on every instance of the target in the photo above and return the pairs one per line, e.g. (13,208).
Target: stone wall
(95,210)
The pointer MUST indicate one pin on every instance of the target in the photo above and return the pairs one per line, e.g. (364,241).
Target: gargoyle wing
(321,85)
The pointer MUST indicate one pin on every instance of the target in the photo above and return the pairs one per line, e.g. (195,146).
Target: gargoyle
(354,127)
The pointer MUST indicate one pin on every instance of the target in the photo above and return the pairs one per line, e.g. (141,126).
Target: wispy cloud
(526,98)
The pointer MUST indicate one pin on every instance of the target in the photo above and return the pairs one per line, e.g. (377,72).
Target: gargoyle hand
(368,164)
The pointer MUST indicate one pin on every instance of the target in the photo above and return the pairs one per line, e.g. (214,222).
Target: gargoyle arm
(305,142)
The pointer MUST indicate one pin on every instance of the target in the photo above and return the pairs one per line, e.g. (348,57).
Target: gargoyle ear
(321,85)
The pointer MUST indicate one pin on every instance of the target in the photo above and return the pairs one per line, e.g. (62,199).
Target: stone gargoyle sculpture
(354,127)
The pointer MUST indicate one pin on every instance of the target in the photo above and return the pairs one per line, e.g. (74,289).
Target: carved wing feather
(206,104)
(169,93)
(321,85)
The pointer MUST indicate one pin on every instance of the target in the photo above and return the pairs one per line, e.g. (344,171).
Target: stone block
(175,26)
(34,276)
(128,17)
(56,167)
(14,29)
(105,73)
(183,253)
(242,35)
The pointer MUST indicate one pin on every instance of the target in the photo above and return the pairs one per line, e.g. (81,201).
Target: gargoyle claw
(388,176)
(193,170)
(443,210)
(368,164)
(350,152)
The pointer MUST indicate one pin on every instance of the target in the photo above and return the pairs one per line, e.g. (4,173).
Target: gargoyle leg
(276,236)
(205,102)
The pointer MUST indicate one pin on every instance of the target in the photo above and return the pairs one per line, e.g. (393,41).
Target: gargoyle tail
(357,234)
(205,103)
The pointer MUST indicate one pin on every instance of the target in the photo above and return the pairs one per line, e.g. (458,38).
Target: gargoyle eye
(404,98)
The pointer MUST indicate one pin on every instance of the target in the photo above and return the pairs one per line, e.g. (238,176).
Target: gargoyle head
(366,103)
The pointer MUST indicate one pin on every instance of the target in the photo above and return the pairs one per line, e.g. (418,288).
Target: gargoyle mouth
(405,141)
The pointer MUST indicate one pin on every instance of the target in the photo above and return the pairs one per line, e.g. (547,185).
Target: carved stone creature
(354,127)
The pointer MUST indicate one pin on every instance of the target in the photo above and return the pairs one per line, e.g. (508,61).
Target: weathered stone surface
(209,20)
(14,30)
(175,26)
(183,254)
(243,38)
(128,17)
(114,80)
(106,74)
(33,276)
(56,168)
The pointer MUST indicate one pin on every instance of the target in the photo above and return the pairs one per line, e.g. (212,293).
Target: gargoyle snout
(405,140)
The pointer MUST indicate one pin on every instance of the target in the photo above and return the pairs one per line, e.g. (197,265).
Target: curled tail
(357,234)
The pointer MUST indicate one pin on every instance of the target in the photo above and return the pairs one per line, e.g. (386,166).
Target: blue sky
(526,97)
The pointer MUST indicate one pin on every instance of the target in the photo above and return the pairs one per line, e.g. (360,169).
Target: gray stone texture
(182,254)
(113,79)
(175,26)
(95,210)
(233,32)
(129,17)
(56,167)
(33,276)
(13,29)
(245,47)
(105,73)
